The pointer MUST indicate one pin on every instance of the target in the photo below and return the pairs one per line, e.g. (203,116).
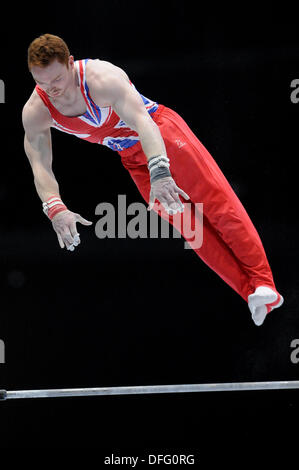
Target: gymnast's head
(50,64)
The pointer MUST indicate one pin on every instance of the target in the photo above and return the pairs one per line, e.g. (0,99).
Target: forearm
(45,184)
(151,139)
(40,158)
(154,148)
(48,190)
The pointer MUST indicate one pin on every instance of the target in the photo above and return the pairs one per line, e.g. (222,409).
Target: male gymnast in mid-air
(96,101)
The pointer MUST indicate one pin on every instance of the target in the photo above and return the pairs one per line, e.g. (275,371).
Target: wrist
(158,167)
(52,206)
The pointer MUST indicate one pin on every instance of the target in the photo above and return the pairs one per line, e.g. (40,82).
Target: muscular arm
(112,88)
(129,106)
(116,91)
(38,148)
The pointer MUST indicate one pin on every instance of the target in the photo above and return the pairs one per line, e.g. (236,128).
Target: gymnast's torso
(94,122)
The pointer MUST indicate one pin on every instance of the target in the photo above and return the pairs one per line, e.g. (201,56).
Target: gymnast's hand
(167,192)
(64,224)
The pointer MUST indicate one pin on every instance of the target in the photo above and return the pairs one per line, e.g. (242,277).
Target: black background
(132,312)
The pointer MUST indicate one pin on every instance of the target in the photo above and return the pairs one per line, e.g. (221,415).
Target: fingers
(65,240)
(69,237)
(68,240)
(167,192)
(165,197)
(72,239)
(77,240)
(182,193)
(151,201)
(179,204)
(81,220)
(75,235)
(66,230)
(60,240)
(171,202)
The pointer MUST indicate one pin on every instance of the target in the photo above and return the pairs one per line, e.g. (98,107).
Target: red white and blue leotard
(96,125)
(232,247)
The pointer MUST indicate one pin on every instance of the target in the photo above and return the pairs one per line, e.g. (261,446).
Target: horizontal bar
(149,389)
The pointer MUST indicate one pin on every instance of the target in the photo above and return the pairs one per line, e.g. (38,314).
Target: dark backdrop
(124,311)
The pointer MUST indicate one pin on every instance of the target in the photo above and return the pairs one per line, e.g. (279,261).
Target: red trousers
(231,245)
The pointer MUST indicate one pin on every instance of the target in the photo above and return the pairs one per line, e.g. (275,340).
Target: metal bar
(149,389)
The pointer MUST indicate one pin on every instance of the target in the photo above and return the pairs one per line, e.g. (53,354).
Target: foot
(260,313)
(263,301)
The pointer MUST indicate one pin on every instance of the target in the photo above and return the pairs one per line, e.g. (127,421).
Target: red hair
(45,49)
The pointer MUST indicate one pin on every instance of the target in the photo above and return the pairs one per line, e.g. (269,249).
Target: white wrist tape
(158,167)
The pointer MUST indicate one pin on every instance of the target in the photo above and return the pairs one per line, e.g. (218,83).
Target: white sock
(259,315)
(262,295)
(257,303)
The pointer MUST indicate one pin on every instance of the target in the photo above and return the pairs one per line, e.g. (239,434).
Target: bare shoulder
(101,70)
(35,115)
(104,81)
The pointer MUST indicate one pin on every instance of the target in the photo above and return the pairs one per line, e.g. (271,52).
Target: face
(55,78)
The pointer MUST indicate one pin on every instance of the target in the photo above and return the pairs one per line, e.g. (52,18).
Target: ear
(71,61)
